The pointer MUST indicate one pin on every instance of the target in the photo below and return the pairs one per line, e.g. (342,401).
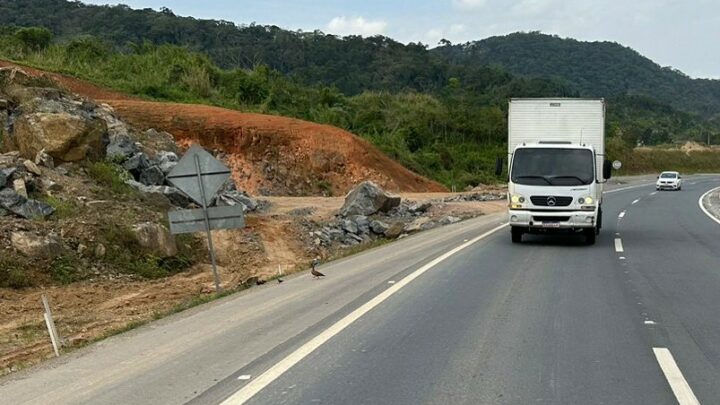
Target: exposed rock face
(64,136)
(36,246)
(367,199)
(156,239)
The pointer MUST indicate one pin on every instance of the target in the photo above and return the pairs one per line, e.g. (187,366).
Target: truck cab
(554,187)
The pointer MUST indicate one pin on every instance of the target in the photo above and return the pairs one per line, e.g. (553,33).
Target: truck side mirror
(607,169)
(498,166)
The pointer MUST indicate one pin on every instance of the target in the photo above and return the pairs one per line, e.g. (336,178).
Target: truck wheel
(516,234)
(590,236)
(599,222)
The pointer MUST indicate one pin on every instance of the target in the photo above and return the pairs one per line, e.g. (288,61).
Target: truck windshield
(553,167)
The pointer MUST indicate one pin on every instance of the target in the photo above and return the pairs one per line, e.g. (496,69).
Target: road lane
(673,258)
(549,321)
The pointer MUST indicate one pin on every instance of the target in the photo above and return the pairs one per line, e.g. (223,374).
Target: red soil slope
(270,155)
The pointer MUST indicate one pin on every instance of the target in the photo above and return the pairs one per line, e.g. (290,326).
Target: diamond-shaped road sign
(212,172)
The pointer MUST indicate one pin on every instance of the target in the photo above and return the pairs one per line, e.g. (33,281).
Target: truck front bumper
(567,220)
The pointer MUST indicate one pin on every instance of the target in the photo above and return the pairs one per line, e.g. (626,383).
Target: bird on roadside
(314,272)
(280,273)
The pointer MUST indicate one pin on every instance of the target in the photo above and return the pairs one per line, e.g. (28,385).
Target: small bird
(280,273)
(314,272)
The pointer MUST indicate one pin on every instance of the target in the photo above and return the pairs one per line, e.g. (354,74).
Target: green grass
(13,273)
(65,269)
(110,176)
(63,209)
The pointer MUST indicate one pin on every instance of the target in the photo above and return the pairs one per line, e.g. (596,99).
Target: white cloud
(356,26)
(433,36)
(457,28)
(469,4)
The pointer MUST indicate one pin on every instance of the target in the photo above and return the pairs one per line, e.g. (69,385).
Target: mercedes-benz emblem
(551,201)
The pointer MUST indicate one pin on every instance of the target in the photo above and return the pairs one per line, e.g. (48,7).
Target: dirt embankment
(269,155)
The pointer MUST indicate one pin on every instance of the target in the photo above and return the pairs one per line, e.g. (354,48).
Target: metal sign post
(199,175)
(207,224)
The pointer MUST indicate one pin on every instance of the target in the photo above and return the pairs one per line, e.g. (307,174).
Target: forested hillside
(441,112)
(594,69)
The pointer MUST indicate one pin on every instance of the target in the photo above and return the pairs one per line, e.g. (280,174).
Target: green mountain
(594,69)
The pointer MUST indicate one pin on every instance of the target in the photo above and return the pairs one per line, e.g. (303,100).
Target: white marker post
(52,331)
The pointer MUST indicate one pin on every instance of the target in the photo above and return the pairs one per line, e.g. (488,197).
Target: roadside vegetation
(451,133)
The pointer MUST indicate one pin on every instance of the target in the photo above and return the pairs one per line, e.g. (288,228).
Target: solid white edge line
(252,388)
(678,384)
(702,206)
(618,245)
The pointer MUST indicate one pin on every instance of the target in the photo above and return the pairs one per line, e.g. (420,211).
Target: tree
(34,38)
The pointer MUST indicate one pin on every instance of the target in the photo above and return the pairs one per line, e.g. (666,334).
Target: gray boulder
(166,161)
(363,224)
(36,246)
(137,163)
(175,196)
(420,208)
(121,147)
(449,220)
(21,206)
(418,224)
(156,239)
(152,176)
(233,197)
(367,199)
(349,226)
(5,175)
(378,227)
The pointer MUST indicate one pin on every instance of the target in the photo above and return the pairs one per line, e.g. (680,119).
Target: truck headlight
(516,201)
(586,200)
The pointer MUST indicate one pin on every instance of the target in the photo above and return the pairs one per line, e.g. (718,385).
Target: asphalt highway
(457,315)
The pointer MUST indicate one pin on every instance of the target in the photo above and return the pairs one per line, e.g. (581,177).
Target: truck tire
(590,235)
(599,222)
(516,234)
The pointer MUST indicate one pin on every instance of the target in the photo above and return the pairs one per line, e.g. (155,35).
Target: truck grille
(545,201)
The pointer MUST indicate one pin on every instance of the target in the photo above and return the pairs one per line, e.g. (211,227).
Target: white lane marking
(636,201)
(681,389)
(622,215)
(391,282)
(618,245)
(649,322)
(244,377)
(622,257)
(702,207)
(653,193)
(266,378)
(627,188)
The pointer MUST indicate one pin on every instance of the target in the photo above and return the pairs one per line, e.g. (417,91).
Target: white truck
(556,165)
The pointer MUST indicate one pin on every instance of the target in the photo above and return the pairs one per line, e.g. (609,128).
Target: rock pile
(17,178)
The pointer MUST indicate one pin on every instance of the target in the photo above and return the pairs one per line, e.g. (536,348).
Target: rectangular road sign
(189,221)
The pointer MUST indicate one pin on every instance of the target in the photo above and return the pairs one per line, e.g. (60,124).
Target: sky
(683,34)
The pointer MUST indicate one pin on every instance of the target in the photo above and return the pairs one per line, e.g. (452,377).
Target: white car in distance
(669,181)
